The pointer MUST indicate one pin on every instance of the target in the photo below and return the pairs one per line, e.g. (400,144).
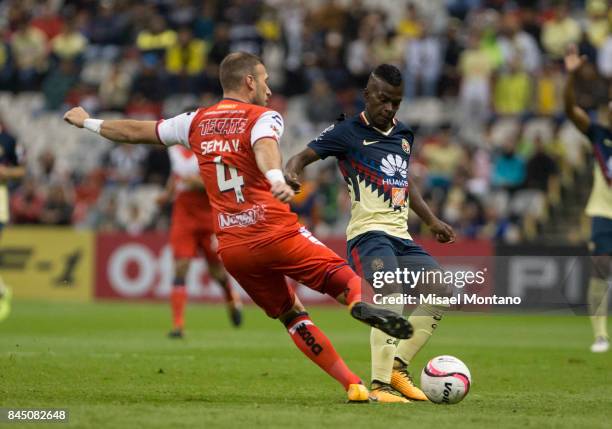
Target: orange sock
(317,347)
(178,300)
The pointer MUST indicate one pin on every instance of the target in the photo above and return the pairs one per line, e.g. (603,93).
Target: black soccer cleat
(235,314)
(176,333)
(387,321)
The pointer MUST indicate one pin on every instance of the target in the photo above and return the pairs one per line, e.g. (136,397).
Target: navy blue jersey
(374,164)
(8,150)
(8,158)
(600,201)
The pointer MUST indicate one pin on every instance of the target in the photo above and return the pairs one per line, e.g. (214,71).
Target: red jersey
(222,137)
(191,206)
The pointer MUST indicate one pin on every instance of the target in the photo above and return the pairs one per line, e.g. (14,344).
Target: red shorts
(261,271)
(191,230)
(188,243)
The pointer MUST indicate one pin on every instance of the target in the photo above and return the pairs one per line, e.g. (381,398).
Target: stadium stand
(494,156)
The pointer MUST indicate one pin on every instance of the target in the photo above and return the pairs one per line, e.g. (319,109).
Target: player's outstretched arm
(443,232)
(122,130)
(268,158)
(578,116)
(296,164)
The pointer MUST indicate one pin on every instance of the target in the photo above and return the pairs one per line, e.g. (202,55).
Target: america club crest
(406,146)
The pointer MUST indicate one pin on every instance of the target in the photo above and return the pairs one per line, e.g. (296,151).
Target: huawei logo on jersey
(392,165)
(222,126)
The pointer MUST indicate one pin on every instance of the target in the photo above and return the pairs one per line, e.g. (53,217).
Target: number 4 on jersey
(235,182)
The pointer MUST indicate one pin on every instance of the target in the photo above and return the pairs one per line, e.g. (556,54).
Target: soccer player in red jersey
(236,142)
(191,231)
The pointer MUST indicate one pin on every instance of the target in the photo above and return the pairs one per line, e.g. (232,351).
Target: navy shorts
(377,251)
(601,235)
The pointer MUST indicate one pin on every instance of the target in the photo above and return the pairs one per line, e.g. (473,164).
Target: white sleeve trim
(175,130)
(269,124)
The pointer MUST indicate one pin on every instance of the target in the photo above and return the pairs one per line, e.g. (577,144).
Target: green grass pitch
(111,365)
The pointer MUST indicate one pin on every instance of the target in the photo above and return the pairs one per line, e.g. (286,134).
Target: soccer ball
(445,380)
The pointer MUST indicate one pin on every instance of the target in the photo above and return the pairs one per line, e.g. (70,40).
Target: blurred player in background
(373,151)
(260,241)
(599,206)
(10,169)
(192,231)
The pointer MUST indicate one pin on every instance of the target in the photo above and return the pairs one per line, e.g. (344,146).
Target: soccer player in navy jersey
(10,169)
(373,151)
(599,206)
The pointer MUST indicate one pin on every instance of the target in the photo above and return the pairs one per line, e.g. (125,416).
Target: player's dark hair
(235,67)
(389,74)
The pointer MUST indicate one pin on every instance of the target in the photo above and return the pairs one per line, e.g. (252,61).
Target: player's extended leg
(313,264)
(318,348)
(217,271)
(178,297)
(232,298)
(369,254)
(270,291)
(598,296)
(425,318)
(5,295)
(5,300)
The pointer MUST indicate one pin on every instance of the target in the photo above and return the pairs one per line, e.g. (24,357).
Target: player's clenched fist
(76,116)
(282,191)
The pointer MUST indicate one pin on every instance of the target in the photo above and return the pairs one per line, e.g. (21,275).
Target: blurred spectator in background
(147,82)
(29,48)
(58,84)
(597,25)
(305,205)
(114,91)
(513,90)
(6,67)
(517,45)
(328,193)
(410,26)
(586,48)
(58,207)
(549,89)
(155,40)
(592,90)
(182,13)
(124,164)
(508,169)
(48,171)
(204,24)
(27,203)
(449,83)
(156,166)
(185,62)
(359,58)
(442,156)
(559,32)
(541,182)
(47,19)
(604,58)
(69,44)
(476,68)
(321,103)
(106,30)
(388,49)
(423,59)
